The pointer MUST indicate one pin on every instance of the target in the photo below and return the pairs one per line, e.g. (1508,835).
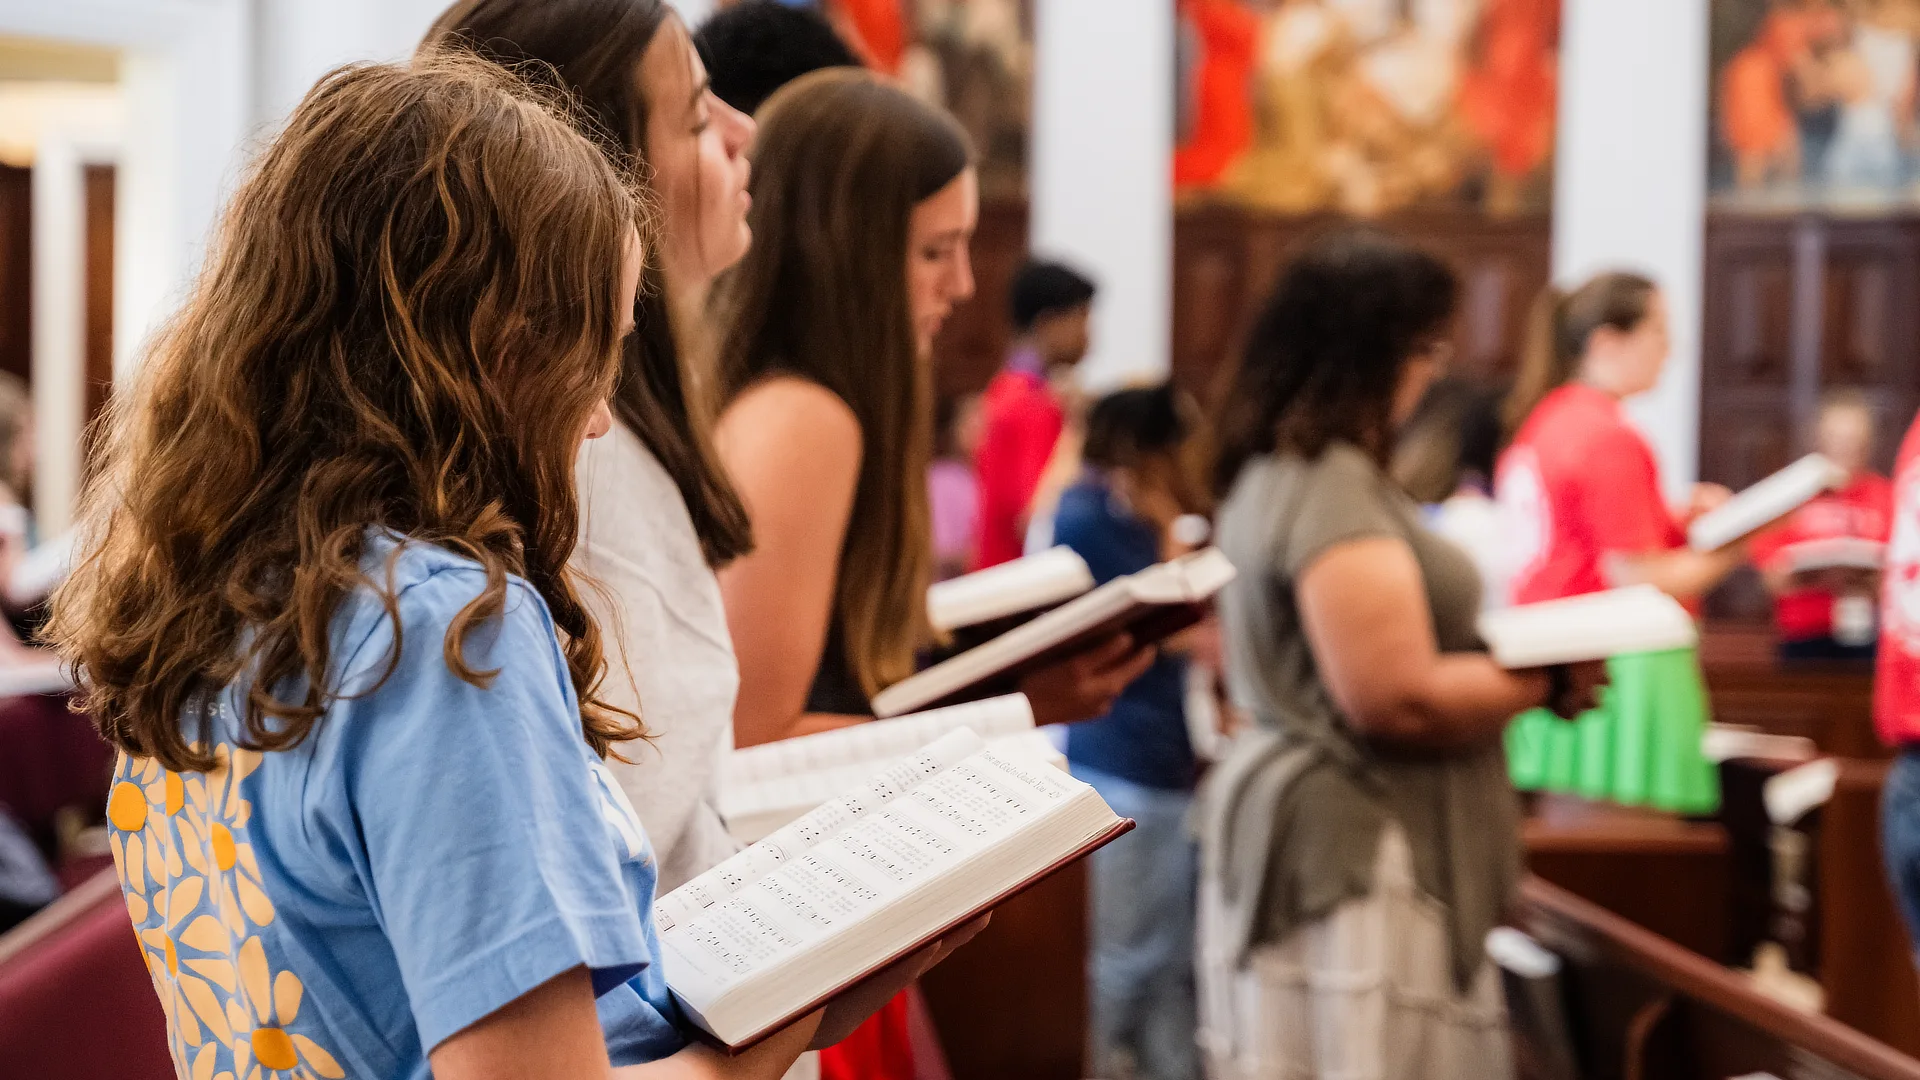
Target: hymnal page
(1596,626)
(1035,581)
(863,879)
(764,787)
(1765,503)
(733,874)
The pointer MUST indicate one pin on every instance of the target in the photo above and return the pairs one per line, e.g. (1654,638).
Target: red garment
(881,27)
(1577,485)
(1021,420)
(1221,89)
(880,1049)
(1507,96)
(1896,683)
(1862,509)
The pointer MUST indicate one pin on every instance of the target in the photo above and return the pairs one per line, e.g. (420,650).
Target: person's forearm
(1682,573)
(767,729)
(770,1060)
(814,723)
(1463,701)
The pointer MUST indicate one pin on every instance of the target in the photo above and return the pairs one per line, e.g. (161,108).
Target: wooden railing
(1642,1007)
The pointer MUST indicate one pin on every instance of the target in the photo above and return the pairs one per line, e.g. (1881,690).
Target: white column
(59,330)
(187,99)
(1630,183)
(1101,175)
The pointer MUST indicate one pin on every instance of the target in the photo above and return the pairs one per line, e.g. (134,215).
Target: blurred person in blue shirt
(1119,516)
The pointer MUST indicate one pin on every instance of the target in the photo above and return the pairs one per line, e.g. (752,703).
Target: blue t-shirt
(429,852)
(1144,737)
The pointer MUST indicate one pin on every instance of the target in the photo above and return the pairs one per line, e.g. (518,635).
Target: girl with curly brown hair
(324,610)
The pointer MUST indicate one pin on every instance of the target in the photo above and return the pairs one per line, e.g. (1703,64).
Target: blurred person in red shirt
(1823,602)
(1022,412)
(1579,483)
(1896,685)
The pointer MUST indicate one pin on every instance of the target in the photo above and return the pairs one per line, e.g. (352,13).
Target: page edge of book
(1119,828)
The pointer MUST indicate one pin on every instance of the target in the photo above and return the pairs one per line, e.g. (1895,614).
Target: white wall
(1101,175)
(297,41)
(201,80)
(1630,183)
(694,12)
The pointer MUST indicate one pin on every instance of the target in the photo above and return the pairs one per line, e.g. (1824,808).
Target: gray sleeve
(1343,497)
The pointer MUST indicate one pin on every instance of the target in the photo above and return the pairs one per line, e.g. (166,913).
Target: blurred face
(600,419)
(969,426)
(1846,436)
(1419,374)
(939,267)
(1065,336)
(1629,362)
(696,145)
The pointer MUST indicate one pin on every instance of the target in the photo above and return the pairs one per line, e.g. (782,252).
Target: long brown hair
(593,49)
(407,316)
(841,161)
(1559,328)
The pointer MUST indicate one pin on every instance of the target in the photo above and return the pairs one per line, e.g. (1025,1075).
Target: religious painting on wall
(1368,107)
(972,57)
(1813,104)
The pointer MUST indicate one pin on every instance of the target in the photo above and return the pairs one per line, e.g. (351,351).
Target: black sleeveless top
(835,689)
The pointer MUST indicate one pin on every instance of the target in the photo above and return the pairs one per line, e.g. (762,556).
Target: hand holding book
(829,905)
(1574,688)
(1084,685)
(852,1008)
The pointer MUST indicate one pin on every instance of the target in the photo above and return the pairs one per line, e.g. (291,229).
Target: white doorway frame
(185,77)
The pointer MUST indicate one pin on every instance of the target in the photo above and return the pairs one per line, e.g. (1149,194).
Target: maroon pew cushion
(76,1002)
(50,758)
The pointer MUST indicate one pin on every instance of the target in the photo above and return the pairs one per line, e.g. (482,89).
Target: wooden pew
(1609,854)
(1866,968)
(1642,1007)
(1832,704)
(1012,1003)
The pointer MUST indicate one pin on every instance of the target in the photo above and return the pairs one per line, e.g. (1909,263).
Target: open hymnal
(1765,503)
(765,787)
(1158,601)
(1833,553)
(927,845)
(1012,588)
(1636,619)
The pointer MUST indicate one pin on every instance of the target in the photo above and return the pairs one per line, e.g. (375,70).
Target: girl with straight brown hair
(324,609)
(657,513)
(864,200)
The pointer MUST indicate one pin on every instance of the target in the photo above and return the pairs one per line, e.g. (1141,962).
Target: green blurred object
(1640,747)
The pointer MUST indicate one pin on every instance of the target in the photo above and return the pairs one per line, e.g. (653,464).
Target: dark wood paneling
(1795,307)
(975,340)
(1012,1003)
(1225,260)
(1866,972)
(99,182)
(1608,853)
(16,271)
